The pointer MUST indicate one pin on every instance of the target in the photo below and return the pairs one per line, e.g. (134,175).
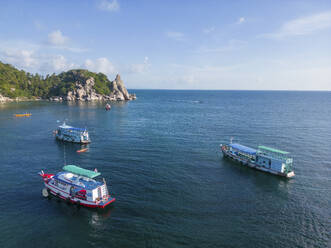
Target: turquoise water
(160,156)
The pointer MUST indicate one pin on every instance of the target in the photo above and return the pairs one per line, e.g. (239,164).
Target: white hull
(73,139)
(254,166)
(71,134)
(63,194)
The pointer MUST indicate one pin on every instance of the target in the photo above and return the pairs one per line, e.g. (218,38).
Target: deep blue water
(160,156)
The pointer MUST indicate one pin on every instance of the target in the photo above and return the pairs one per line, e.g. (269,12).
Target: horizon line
(230,90)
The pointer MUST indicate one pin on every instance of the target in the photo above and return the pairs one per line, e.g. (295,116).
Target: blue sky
(156,44)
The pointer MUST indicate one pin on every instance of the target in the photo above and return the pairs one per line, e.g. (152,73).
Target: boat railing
(274,156)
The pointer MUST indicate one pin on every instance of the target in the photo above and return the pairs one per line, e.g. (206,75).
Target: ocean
(161,158)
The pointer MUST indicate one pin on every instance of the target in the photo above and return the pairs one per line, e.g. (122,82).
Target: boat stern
(290,174)
(105,202)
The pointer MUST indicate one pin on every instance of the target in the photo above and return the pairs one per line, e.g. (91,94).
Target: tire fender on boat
(45,192)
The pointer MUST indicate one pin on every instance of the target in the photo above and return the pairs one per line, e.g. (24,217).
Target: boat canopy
(244,149)
(74,128)
(80,171)
(65,126)
(77,129)
(268,149)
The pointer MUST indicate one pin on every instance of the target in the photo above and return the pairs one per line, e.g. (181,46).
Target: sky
(187,44)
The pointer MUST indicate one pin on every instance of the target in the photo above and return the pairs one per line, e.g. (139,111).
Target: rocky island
(73,85)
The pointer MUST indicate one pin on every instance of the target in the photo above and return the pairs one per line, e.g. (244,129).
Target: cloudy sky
(189,44)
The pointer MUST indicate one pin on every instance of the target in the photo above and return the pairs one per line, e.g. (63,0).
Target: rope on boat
(64,153)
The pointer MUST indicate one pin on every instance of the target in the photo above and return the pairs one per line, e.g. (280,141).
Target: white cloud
(141,68)
(100,65)
(178,36)
(21,58)
(35,60)
(55,63)
(303,26)
(241,20)
(109,6)
(59,63)
(56,38)
(208,30)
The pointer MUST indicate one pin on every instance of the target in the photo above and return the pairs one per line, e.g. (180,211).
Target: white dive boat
(266,159)
(77,185)
(72,134)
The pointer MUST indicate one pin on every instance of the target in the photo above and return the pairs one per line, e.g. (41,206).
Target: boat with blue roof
(72,134)
(77,185)
(264,158)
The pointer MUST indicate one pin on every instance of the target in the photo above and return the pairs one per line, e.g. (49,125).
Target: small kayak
(22,115)
(82,150)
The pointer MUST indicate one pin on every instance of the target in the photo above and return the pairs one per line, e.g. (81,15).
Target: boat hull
(252,165)
(72,139)
(61,194)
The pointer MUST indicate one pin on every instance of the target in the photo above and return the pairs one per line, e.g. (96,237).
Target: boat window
(62,184)
(269,162)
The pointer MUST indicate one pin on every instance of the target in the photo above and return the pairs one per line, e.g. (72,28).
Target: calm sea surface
(160,156)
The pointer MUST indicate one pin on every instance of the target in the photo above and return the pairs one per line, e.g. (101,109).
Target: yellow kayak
(22,115)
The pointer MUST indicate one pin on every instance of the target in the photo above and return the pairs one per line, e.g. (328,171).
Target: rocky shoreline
(85,91)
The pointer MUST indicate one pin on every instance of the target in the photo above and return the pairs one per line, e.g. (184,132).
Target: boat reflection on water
(70,148)
(98,216)
(94,104)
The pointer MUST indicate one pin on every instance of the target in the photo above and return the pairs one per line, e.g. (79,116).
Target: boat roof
(244,149)
(269,149)
(77,181)
(80,171)
(65,126)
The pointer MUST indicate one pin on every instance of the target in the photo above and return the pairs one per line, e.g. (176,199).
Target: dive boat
(72,134)
(77,185)
(264,158)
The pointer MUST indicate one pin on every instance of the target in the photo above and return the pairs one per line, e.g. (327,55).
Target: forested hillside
(18,83)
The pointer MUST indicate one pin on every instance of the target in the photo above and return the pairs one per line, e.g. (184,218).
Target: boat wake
(190,101)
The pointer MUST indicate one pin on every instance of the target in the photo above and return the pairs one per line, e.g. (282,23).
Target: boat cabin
(274,159)
(72,134)
(79,183)
(243,152)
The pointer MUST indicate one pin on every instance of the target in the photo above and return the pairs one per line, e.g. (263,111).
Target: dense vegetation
(18,83)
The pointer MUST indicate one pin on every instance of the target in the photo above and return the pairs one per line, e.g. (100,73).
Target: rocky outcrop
(4,99)
(117,86)
(84,91)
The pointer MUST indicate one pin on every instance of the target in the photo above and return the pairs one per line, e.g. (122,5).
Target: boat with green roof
(77,185)
(264,158)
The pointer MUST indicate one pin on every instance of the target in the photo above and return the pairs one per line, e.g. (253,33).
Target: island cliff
(86,87)
(73,85)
